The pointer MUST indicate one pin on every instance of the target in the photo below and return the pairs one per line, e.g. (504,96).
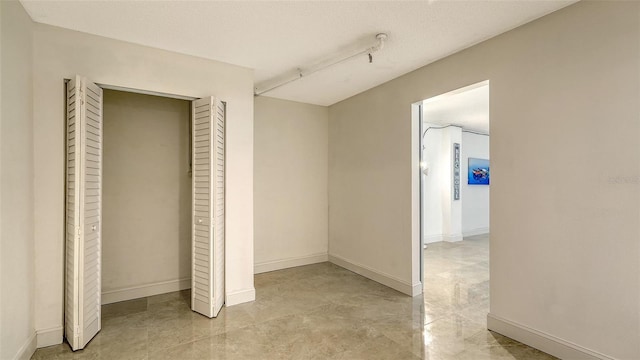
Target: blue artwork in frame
(478,171)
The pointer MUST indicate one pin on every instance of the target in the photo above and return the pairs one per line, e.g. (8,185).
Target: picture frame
(478,171)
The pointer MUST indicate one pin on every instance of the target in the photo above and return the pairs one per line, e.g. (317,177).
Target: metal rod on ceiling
(380,39)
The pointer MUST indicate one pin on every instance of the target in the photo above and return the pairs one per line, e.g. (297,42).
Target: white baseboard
(442,237)
(49,337)
(239,297)
(27,349)
(416,289)
(267,266)
(377,276)
(478,231)
(433,238)
(542,341)
(141,291)
(452,238)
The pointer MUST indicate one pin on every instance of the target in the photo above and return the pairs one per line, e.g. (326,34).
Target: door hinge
(79,231)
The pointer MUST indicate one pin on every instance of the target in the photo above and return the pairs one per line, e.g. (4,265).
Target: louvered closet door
(84,195)
(207,290)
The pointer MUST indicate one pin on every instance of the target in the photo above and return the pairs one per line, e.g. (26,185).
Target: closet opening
(145,202)
(147,185)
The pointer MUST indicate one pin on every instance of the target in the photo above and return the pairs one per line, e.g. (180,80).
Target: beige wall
(16,183)
(565,255)
(146,196)
(60,53)
(290,186)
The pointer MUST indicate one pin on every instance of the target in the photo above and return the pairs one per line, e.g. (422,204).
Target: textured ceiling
(468,109)
(277,37)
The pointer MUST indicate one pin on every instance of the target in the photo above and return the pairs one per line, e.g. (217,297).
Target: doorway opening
(454,202)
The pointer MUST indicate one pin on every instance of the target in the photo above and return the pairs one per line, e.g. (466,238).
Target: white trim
(239,297)
(477,231)
(136,292)
(416,289)
(267,266)
(377,276)
(49,337)
(430,239)
(456,91)
(27,349)
(146,92)
(548,343)
(452,238)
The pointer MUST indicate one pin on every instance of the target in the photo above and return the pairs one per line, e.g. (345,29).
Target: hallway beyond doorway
(456,278)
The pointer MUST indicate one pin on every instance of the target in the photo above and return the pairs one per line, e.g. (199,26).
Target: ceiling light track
(300,73)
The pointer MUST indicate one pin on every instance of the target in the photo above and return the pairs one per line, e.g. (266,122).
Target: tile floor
(319,312)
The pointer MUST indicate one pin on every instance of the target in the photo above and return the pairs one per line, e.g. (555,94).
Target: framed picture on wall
(478,172)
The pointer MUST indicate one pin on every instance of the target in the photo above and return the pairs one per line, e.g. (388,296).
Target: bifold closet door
(207,261)
(83,211)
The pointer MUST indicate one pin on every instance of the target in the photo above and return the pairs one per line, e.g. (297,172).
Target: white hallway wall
(433,183)
(290,186)
(17,336)
(475,198)
(451,209)
(552,269)
(442,214)
(59,54)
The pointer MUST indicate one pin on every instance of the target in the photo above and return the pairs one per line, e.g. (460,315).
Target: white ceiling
(277,37)
(468,109)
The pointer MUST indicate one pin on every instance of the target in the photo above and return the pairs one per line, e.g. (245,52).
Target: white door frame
(417,183)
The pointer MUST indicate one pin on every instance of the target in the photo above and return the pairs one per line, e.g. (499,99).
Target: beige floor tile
(319,312)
